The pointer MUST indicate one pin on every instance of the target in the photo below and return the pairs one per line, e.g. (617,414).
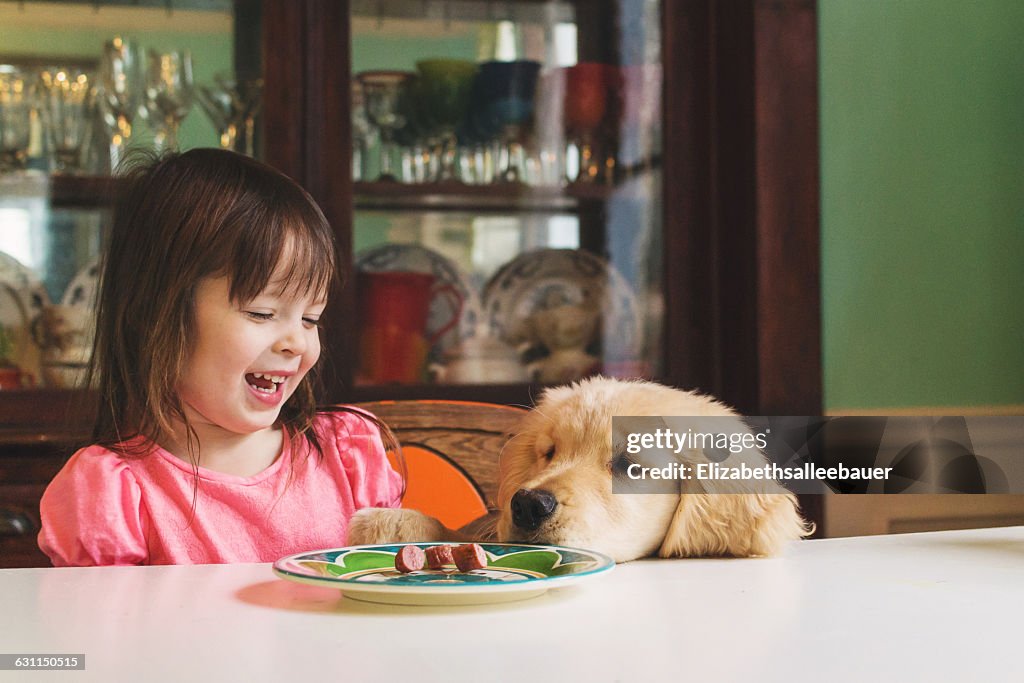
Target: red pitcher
(394,307)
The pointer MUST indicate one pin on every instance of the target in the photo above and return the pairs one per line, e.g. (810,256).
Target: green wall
(922,144)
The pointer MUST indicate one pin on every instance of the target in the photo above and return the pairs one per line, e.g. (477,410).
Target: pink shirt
(102,509)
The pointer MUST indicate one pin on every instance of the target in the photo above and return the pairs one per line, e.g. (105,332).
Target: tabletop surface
(934,606)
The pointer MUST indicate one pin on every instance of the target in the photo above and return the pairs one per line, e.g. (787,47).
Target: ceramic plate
(22,299)
(416,259)
(553,277)
(513,572)
(81,291)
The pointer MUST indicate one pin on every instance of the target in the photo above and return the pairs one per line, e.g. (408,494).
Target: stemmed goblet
(362,133)
(121,85)
(65,98)
(15,117)
(168,94)
(232,106)
(586,100)
(444,85)
(381,93)
(479,137)
(508,89)
(416,138)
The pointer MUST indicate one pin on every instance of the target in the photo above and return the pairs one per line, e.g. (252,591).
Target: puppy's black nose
(530,507)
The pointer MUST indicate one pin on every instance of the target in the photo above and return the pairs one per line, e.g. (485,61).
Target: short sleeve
(90,513)
(375,483)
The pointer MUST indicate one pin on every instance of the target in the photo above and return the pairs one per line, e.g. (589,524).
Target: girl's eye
(260,316)
(312,322)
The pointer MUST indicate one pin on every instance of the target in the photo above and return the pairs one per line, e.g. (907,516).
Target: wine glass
(362,132)
(66,98)
(549,129)
(381,92)
(232,106)
(121,85)
(508,89)
(416,138)
(15,117)
(479,136)
(444,85)
(168,93)
(586,101)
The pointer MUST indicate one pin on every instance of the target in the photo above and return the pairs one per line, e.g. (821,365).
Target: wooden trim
(328,173)
(689,345)
(787,207)
(734,221)
(284,80)
(464,415)
(742,210)
(966,411)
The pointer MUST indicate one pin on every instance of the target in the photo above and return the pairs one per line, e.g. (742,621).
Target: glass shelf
(456,196)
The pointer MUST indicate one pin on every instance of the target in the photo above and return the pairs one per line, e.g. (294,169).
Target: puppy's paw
(393,525)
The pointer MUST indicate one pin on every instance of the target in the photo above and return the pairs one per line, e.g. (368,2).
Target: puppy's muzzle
(530,507)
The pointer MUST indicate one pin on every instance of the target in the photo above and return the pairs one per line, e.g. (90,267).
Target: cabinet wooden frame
(741,197)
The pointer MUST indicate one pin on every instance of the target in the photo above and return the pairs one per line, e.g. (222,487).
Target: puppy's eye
(549,454)
(620,463)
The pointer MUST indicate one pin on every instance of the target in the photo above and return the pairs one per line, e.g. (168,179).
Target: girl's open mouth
(265,384)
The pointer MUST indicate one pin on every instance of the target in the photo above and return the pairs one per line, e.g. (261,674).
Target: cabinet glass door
(82,84)
(507,222)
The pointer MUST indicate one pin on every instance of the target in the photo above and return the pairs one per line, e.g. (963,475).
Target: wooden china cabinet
(722,205)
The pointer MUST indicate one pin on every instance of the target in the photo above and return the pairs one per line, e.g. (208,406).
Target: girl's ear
(733,524)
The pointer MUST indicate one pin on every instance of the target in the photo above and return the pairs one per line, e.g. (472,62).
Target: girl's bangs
(288,253)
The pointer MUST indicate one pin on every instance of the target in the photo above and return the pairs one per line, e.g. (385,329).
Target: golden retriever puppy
(556,476)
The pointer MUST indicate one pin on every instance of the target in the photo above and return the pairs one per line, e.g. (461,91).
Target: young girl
(208,447)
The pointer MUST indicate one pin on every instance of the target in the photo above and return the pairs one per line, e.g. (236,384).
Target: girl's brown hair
(181,218)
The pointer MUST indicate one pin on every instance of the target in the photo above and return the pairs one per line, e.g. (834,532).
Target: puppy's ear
(736,524)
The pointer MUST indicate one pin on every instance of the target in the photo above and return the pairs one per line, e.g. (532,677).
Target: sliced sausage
(469,556)
(410,558)
(439,556)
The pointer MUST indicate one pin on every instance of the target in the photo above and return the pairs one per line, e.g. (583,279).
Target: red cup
(394,307)
(586,95)
(11,378)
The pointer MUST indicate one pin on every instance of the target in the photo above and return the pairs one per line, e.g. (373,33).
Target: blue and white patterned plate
(513,572)
(536,280)
(22,298)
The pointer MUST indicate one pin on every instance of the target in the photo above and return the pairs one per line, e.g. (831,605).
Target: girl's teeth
(267,384)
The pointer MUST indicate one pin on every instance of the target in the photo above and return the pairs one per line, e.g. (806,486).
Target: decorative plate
(414,258)
(81,291)
(22,299)
(513,572)
(547,278)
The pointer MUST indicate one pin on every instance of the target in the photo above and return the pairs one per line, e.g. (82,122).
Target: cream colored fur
(708,518)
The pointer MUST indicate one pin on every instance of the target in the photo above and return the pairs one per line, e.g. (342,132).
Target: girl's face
(248,357)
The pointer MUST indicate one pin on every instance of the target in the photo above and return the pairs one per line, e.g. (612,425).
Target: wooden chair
(451,450)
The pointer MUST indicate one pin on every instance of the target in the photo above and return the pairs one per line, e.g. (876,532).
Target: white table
(917,607)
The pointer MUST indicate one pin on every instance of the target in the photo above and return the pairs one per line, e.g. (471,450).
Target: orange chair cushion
(437,487)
